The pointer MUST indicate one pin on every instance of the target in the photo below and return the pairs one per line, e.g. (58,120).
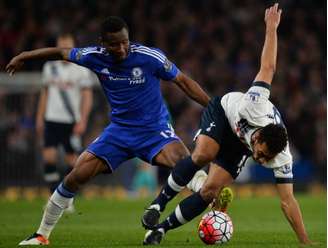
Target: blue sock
(64,191)
(180,176)
(188,209)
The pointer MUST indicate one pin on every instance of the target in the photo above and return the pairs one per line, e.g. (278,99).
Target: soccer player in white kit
(63,110)
(232,128)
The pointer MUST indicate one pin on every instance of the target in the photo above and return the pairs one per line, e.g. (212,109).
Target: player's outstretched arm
(192,89)
(292,211)
(50,53)
(269,51)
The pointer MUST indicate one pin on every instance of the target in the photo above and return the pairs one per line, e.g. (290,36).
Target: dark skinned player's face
(117,44)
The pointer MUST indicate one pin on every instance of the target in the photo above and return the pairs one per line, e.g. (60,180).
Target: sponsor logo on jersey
(136,78)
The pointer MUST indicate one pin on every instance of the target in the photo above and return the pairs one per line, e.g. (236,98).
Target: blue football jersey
(131,86)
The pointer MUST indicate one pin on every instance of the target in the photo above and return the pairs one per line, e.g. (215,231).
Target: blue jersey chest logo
(132,76)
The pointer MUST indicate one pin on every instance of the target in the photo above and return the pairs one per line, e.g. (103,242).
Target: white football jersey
(250,111)
(64,78)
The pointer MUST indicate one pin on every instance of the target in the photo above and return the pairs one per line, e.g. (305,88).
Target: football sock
(188,209)
(51,176)
(181,174)
(58,202)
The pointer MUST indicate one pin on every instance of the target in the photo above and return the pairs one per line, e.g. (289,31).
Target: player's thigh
(205,150)
(171,154)
(50,154)
(217,178)
(86,167)
(213,125)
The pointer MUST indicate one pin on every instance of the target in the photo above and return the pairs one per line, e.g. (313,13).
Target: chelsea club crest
(137,72)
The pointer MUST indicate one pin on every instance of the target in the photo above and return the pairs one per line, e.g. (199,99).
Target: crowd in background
(217,43)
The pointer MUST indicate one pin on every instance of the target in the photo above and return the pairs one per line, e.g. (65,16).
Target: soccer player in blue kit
(130,76)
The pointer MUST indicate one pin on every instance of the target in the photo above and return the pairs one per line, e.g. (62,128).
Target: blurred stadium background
(218,43)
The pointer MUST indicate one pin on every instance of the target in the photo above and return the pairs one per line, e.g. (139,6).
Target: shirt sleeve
(254,104)
(284,174)
(83,56)
(166,70)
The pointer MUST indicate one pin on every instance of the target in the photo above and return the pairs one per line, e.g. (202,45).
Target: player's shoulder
(148,53)
(232,96)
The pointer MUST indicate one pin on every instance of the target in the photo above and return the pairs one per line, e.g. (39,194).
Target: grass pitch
(258,222)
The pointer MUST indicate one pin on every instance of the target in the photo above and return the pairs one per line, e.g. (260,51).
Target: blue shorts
(118,143)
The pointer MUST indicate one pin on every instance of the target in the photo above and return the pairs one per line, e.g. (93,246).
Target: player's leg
(51,174)
(205,151)
(72,146)
(193,205)
(87,166)
(212,124)
(103,155)
(70,159)
(168,156)
(49,154)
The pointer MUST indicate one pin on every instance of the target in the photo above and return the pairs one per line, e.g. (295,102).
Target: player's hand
(79,128)
(272,17)
(15,64)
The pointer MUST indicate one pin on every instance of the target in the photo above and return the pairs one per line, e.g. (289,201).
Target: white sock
(197,181)
(53,211)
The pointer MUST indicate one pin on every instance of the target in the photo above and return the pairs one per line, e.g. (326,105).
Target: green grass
(258,222)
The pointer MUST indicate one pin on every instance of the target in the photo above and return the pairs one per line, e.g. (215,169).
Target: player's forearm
(293,214)
(50,53)
(195,92)
(192,89)
(269,52)
(86,105)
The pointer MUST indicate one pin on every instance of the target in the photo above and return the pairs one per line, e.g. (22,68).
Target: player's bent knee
(202,158)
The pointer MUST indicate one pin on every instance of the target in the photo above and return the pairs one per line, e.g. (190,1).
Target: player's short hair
(275,137)
(112,24)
